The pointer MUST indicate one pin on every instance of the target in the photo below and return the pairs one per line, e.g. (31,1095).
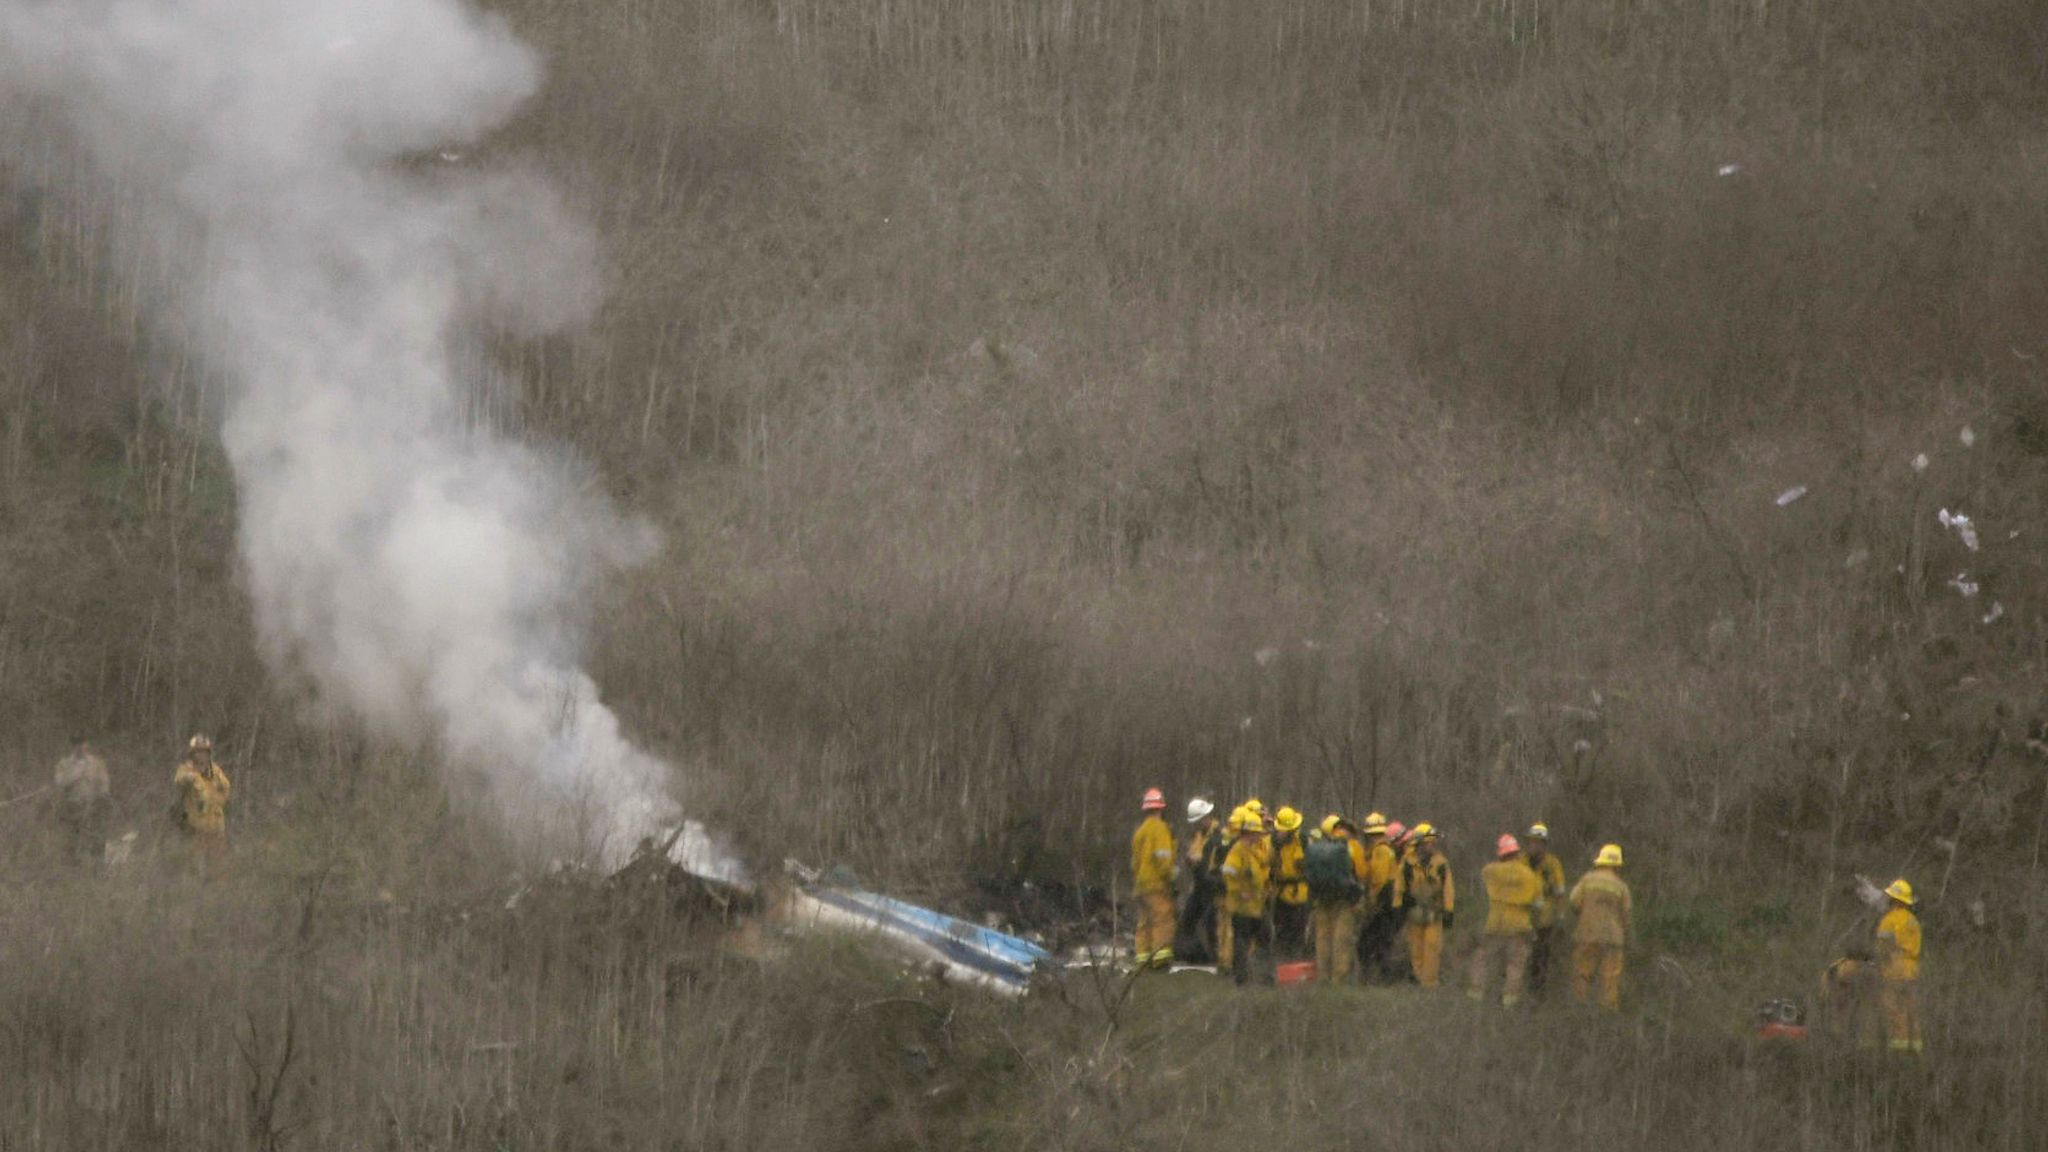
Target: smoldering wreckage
(694,869)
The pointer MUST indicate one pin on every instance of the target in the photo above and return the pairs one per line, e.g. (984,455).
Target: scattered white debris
(1962,583)
(1960,525)
(1920,462)
(1791,495)
(1968,436)
(1857,558)
(1244,725)
(1727,169)
(1997,611)
(1266,655)
(451,157)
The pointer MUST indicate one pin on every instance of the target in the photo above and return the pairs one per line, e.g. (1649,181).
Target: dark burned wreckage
(802,901)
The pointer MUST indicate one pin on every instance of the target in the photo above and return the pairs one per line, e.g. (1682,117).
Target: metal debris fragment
(1959,524)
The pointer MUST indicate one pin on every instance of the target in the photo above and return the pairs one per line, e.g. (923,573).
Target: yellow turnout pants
(1154,943)
(1336,929)
(1511,954)
(1900,1000)
(1600,962)
(1426,952)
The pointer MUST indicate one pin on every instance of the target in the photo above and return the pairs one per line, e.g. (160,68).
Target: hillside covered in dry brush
(1479,412)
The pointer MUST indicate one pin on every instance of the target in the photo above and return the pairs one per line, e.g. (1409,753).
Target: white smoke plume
(422,572)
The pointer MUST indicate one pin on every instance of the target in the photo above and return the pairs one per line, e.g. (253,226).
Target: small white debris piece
(1727,169)
(451,157)
(1266,655)
(1962,583)
(1960,525)
(1920,462)
(2013,535)
(1857,558)
(1244,725)
(1791,495)
(1997,611)
(1312,645)
(1968,436)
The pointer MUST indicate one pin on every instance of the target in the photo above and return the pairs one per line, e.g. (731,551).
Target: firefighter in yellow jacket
(1550,870)
(1605,909)
(1514,896)
(1247,886)
(1334,864)
(203,794)
(1152,881)
(1431,898)
(1290,887)
(1898,967)
(1380,917)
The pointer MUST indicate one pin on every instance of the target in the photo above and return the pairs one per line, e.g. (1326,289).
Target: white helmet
(1199,809)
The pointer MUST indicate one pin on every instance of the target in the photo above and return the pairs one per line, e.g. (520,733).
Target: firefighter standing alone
(1898,956)
(202,804)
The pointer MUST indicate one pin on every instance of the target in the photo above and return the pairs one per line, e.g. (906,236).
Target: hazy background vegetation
(1361,403)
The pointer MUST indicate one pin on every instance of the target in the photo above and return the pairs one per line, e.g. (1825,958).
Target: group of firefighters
(199,806)
(1258,888)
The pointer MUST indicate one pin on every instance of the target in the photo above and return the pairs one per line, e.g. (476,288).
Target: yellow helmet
(1238,816)
(1253,805)
(1537,831)
(1329,824)
(1287,820)
(1376,824)
(1900,890)
(1609,857)
(201,743)
(1422,831)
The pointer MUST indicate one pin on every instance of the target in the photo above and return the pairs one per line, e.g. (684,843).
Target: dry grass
(1004,377)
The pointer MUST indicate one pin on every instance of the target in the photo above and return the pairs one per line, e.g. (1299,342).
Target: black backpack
(1213,851)
(1326,865)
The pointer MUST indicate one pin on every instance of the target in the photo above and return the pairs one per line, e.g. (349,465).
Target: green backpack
(1326,865)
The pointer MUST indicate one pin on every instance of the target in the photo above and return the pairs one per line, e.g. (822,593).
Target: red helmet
(1506,846)
(1397,832)
(1154,798)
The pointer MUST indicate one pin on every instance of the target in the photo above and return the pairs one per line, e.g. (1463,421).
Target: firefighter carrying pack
(1326,865)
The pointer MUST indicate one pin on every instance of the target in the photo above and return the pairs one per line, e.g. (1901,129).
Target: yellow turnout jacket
(1152,856)
(205,798)
(1512,891)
